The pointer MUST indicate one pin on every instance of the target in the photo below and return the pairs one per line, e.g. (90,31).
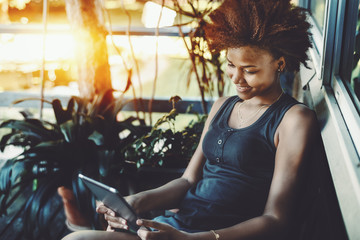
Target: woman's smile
(243,89)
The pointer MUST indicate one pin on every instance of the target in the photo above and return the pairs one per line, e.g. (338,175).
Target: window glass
(21,50)
(317,8)
(30,11)
(22,44)
(172,71)
(21,62)
(354,82)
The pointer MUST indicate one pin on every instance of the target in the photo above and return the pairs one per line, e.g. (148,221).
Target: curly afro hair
(273,25)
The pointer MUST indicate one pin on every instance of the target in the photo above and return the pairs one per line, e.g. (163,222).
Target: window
(317,18)
(346,73)
(333,93)
(353,81)
(22,44)
(317,8)
(335,57)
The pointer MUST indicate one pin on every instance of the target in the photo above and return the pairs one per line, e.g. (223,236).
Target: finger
(116,222)
(111,218)
(118,225)
(98,203)
(110,229)
(153,224)
(145,234)
(103,209)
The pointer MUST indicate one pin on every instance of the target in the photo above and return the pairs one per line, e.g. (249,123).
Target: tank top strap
(224,111)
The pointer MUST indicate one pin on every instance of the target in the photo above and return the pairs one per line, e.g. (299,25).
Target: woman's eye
(250,72)
(230,65)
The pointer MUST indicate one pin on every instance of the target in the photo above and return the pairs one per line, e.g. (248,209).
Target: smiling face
(254,72)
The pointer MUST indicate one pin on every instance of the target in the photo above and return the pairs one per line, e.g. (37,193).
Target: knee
(79,235)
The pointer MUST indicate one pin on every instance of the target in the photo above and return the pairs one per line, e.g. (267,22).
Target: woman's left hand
(164,231)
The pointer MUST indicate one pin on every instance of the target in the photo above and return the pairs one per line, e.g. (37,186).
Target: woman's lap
(104,235)
(100,235)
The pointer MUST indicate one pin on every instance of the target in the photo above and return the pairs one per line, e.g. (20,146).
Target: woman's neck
(269,99)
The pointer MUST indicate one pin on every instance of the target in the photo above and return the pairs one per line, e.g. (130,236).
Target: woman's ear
(281,64)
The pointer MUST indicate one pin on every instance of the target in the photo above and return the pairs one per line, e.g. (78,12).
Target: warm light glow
(151,14)
(27,48)
(144,48)
(19,4)
(24,51)
(118,4)
(146,45)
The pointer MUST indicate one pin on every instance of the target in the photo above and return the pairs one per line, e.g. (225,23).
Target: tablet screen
(111,198)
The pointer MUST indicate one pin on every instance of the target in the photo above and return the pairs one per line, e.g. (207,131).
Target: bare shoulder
(217,104)
(300,113)
(299,118)
(214,109)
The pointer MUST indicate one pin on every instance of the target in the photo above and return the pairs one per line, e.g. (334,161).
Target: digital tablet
(112,199)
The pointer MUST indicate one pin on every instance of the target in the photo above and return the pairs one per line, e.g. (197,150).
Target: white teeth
(244,88)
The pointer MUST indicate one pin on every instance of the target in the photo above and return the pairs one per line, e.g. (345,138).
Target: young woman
(244,177)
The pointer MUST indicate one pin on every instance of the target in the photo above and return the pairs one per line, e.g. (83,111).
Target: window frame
(329,53)
(338,118)
(319,40)
(342,62)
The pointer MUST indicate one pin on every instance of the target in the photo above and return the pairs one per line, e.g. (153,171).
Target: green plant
(85,138)
(164,146)
(205,64)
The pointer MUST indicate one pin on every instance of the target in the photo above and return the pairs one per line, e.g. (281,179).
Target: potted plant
(163,153)
(85,138)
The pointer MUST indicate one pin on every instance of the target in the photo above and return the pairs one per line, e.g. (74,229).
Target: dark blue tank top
(237,173)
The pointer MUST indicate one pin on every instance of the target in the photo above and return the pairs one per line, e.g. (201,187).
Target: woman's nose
(237,77)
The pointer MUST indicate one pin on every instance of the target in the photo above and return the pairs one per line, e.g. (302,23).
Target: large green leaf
(101,104)
(34,128)
(10,173)
(68,129)
(62,115)
(39,207)
(5,140)
(97,138)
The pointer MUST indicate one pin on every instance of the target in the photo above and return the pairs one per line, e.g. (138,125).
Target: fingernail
(112,214)
(139,221)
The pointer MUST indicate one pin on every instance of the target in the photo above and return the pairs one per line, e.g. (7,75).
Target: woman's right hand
(110,216)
